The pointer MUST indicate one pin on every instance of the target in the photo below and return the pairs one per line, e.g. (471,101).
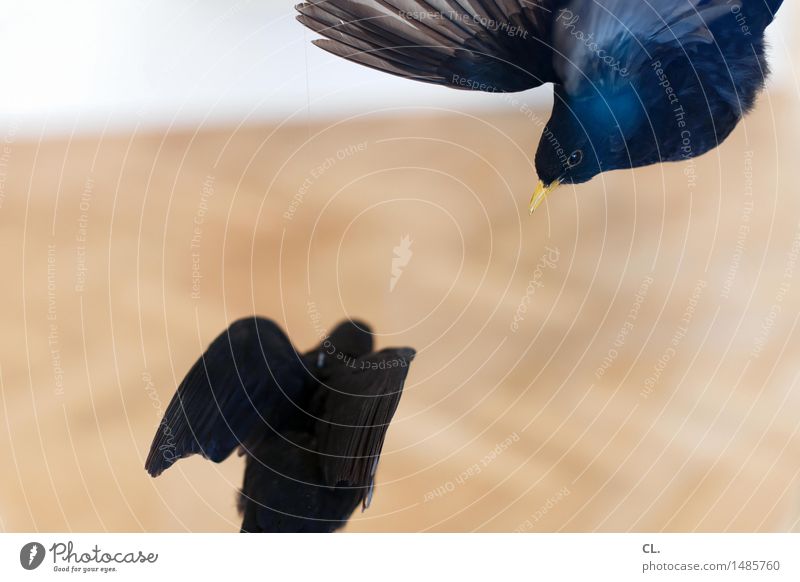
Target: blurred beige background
(625,359)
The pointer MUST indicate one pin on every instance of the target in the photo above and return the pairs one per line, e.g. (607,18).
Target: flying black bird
(636,83)
(312,425)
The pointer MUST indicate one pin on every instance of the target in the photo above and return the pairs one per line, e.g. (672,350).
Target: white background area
(479,557)
(87,65)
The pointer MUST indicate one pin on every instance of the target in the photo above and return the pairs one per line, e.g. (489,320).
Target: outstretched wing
(246,378)
(362,398)
(485,45)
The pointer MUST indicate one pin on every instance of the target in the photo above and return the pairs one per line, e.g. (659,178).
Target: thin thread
(308,87)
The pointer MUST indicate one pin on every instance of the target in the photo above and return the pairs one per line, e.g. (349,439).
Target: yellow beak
(541,193)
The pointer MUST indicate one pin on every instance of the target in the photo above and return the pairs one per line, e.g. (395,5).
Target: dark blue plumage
(636,83)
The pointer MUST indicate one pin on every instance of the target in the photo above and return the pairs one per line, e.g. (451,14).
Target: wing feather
(362,399)
(488,45)
(247,377)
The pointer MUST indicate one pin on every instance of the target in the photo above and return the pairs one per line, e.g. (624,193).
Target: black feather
(489,46)
(611,109)
(312,426)
(244,383)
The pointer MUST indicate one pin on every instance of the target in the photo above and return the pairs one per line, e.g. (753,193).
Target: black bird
(312,425)
(636,83)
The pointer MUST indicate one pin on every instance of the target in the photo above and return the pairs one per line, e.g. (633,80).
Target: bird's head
(351,338)
(585,136)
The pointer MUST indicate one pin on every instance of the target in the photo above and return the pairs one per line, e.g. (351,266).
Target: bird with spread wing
(636,83)
(312,425)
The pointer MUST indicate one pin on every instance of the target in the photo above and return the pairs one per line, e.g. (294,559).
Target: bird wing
(361,401)
(604,41)
(247,375)
(486,45)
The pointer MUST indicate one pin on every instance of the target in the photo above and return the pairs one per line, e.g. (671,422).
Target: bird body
(635,83)
(311,425)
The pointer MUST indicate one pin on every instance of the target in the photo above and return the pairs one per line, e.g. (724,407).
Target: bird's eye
(575,158)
